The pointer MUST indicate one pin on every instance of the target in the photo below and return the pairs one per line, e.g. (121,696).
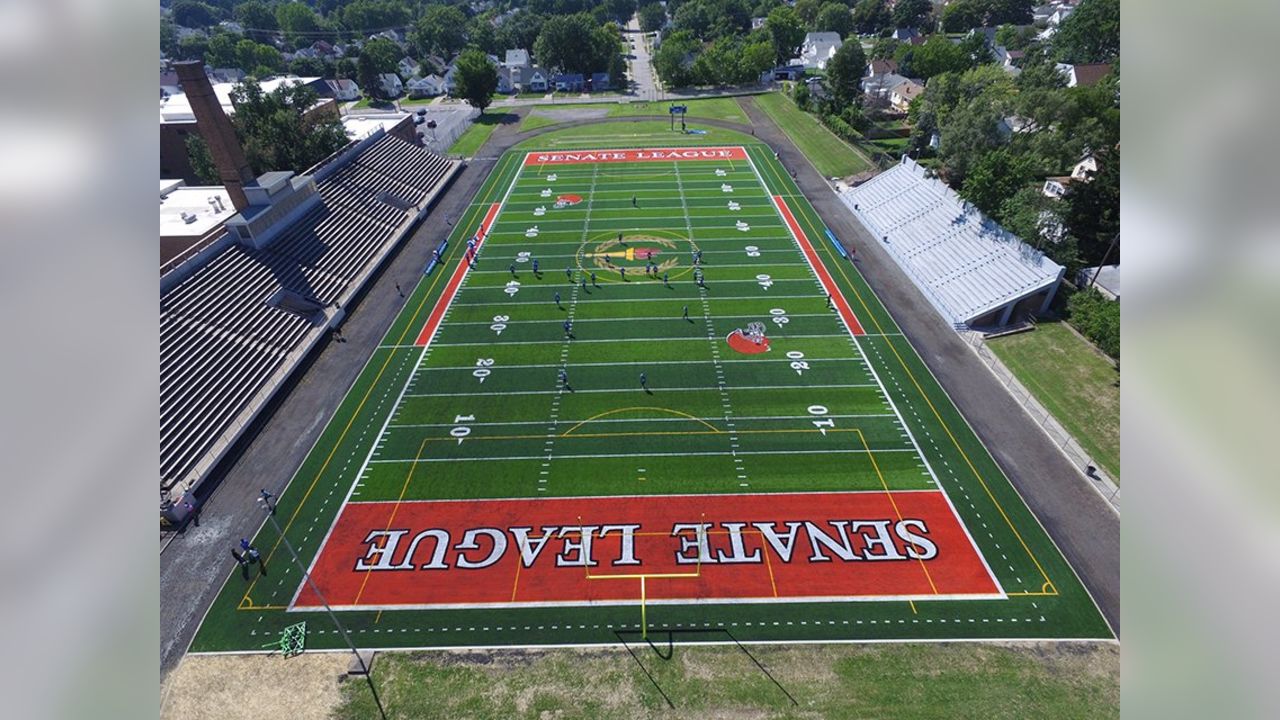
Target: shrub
(1097,318)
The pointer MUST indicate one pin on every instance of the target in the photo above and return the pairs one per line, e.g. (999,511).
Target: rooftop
(177,109)
(359,126)
(177,200)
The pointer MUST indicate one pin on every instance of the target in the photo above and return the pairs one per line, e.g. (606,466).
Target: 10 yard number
(825,422)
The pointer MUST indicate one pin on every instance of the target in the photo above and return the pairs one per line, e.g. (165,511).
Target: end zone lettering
(685,544)
(635,155)
(566,551)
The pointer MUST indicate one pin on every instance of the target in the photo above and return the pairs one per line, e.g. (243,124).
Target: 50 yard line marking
(713,339)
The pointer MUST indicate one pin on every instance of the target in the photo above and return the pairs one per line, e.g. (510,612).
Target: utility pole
(1103,264)
(341,630)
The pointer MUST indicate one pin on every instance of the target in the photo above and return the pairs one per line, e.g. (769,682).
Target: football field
(643,391)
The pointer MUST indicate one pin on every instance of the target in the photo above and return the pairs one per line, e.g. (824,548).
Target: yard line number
(460,431)
(825,422)
(500,323)
(482,370)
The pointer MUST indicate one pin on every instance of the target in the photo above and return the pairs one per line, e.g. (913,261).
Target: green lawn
(470,141)
(725,108)
(827,681)
(832,156)
(1070,378)
(641,133)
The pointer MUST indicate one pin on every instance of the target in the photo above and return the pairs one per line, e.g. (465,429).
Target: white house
(344,90)
(1085,168)
(408,67)
(903,93)
(1061,13)
(390,84)
(818,48)
(429,86)
(517,59)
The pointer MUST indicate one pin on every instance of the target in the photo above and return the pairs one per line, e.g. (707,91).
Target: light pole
(341,630)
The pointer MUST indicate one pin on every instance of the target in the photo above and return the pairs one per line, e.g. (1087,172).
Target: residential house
(224,75)
(1084,170)
(325,50)
(903,93)
(880,68)
(393,35)
(794,71)
(429,86)
(232,26)
(1040,13)
(1084,75)
(988,35)
(343,90)
(600,81)
(169,84)
(407,67)
(1011,124)
(537,79)
(818,48)
(880,86)
(450,81)
(569,82)
(905,34)
(390,84)
(757,23)
(504,80)
(1061,13)
(1007,59)
(517,58)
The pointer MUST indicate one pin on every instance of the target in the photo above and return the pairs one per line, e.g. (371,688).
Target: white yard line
(633,388)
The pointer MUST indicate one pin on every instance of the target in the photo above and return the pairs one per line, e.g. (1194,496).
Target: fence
(1073,451)
(442,138)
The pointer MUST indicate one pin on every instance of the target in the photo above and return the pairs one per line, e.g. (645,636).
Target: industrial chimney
(215,127)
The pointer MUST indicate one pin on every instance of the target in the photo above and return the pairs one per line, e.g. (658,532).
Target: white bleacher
(965,264)
(223,348)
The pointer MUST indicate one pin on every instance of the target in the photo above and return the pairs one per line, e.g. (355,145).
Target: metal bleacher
(224,347)
(964,263)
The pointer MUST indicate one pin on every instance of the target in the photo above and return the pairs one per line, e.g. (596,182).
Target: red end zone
(635,155)
(708,548)
(850,320)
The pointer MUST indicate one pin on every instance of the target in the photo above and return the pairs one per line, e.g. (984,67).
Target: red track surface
(455,281)
(842,306)
(531,551)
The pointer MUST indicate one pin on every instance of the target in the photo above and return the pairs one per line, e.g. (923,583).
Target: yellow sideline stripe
(246,602)
(938,415)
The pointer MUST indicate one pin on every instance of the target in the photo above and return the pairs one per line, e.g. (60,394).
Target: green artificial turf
(404,407)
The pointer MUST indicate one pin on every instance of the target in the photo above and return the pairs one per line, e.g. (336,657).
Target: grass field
(915,681)
(475,136)
(1073,381)
(726,108)
(832,156)
(823,489)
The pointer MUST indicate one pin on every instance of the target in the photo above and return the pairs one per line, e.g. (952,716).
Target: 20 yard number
(482,370)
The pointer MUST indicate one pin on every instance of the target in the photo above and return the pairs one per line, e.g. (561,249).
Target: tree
(364,16)
(808,11)
(787,31)
(476,78)
(314,67)
(222,52)
(298,22)
(440,31)
(619,10)
(652,16)
(520,30)
(871,16)
(995,177)
(574,43)
(376,57)
(1090,34)
(756,59)
(193,14)
(674,59)
(937,55)
(834,17)
(257,19)
(962,16)
(193,47)
(884,49)
(844,73)
(1013,38)
(168,37)
(482,34)
(911,13)
(1007,12)
(276,131)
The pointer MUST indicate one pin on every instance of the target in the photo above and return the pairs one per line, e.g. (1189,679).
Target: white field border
(884,391)
(396,406)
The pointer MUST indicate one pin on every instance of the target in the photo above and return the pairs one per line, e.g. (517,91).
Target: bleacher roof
(966,264)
